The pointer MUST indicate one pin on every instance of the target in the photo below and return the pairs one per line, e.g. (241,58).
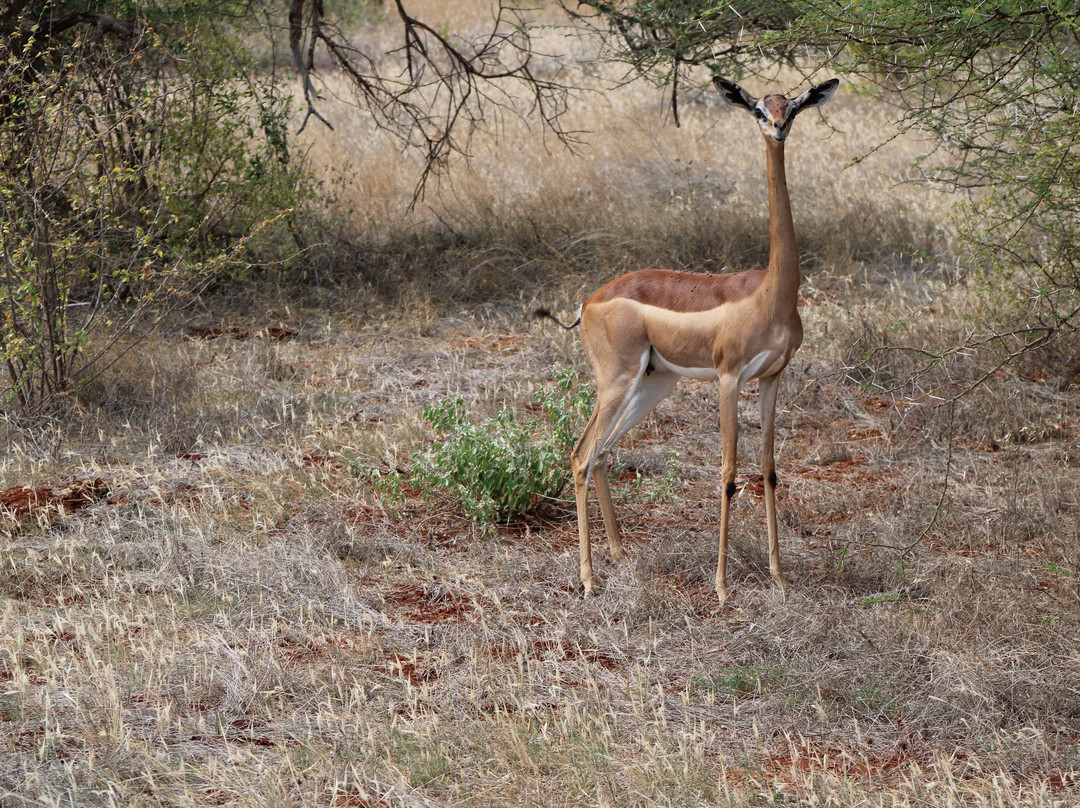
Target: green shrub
(136,163)
(497,469)
(502,468)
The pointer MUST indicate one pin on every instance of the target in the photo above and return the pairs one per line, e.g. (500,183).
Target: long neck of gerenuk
(781,287)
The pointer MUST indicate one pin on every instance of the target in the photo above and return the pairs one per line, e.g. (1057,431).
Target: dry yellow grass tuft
(234,619)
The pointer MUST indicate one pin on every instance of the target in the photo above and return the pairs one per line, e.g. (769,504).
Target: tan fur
(723,337)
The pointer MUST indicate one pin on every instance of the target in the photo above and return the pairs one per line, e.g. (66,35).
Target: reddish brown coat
(679,291)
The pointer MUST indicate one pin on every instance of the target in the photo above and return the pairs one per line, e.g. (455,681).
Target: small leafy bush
(502,467)
(389,487)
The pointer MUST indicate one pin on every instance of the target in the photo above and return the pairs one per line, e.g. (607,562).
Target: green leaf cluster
(996,85)
(501,468)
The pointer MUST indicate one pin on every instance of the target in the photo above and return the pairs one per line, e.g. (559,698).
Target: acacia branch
(445,87)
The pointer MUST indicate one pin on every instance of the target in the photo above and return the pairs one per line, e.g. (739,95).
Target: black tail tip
(542,313)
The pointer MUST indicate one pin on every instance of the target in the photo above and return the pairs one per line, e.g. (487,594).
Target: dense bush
(140,155)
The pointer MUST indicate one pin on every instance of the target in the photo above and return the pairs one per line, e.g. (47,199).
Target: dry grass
(523,214)
(230,618)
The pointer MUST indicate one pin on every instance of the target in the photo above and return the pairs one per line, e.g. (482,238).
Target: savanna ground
(203,604)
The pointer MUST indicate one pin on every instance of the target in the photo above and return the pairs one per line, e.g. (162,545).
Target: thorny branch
(438,90)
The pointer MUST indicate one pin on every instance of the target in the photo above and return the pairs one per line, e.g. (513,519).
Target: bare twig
(446,87)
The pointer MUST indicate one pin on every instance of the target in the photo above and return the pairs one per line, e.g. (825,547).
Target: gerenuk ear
(733,94)
(815,96)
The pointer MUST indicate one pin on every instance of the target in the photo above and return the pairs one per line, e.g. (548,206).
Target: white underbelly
(703,374)
(766,363)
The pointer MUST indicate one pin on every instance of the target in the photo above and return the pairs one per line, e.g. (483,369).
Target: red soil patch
(754,485)
(567,651)
(878,404)
(292,652)
(1064,781)
(254,731)
(416,671)
(314,459)
(839,761)
(424,604)
(20,501)
(279,333)
(832,471)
